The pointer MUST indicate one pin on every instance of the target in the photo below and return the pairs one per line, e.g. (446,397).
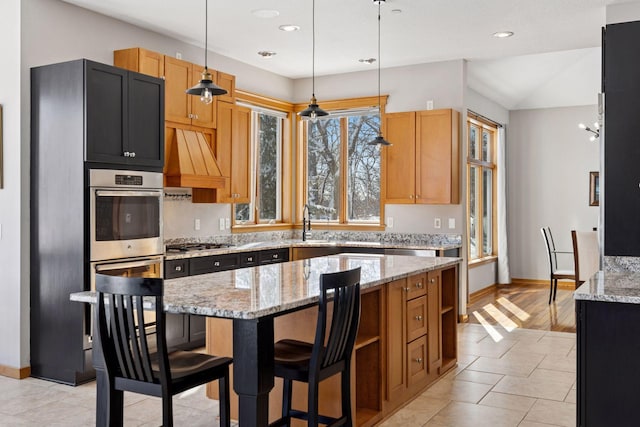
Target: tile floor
(525,379)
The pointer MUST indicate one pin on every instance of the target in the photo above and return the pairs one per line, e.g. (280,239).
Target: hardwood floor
(525,306)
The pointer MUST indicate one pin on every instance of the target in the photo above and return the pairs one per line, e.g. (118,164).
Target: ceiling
(412,32)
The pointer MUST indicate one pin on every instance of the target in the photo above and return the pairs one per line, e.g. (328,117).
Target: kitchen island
(608,349)
(406,339)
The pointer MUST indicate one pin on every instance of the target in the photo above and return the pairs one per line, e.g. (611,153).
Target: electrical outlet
(430,104)
(178,55)
(227,223)
(452,223)
(436,223)
(221,224)
(390,221)
(196,224)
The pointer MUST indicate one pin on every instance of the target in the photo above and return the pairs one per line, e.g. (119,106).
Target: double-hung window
(342,170)
(481,193)
(266,153)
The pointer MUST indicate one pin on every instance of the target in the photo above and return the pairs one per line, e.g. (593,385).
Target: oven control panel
(129,180)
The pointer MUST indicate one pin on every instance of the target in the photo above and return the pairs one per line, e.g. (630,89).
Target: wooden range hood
(191,162)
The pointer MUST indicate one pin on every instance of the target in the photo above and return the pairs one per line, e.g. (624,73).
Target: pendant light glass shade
(206,89)
(379,140)
(313,111)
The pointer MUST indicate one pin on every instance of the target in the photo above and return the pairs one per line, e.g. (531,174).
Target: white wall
(623,12)
(14,350)
(548,160)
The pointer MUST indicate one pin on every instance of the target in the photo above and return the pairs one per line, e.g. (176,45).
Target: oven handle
(113,193)
(117,265)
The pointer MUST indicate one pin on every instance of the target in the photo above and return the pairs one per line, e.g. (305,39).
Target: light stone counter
(255,292)
(621,287)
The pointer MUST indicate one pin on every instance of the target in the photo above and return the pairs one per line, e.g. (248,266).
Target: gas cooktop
(195,246)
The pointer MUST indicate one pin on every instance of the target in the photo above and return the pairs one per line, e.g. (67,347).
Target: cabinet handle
(418,318)
(418,359)
(432,281)
(216,264)
(407,289)
(126,154)
(178,268)
(419,285)
(250,259)
(275,256)
(132,154)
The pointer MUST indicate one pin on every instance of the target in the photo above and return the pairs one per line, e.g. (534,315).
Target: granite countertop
(293,243)
(605,286)
(254,292)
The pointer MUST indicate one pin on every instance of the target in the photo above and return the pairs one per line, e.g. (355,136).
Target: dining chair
(127,341)
(555,273)
(326,356)
(586,254)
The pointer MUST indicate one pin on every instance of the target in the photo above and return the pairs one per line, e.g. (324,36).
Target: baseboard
(17,373)
(482,292)
(562,284)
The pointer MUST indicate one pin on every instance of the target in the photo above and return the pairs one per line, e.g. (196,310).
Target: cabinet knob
(411,196)
(132,154)
(178,268)
(275,256)
(418,318)
(190,116)
(197,116)
(418,359)
(407,289)
(216,263)
(126,154)
(432,281)
(250,259)
(419,285)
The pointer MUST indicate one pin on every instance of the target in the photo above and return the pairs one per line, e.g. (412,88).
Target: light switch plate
(452,223)
(430,105)
(196,224)
(436,223)
(227,223)
(221,224)
(390,221)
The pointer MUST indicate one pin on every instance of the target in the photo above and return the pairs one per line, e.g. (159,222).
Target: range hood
(191,162)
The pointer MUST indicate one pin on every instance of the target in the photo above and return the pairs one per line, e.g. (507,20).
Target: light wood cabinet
(422,165)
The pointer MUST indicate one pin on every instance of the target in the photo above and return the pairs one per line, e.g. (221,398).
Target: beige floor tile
(543,384)
(486,347)
(571,396)
(546,345)
(508,401)
(556,362)
(555,413)
(460,391)
(533,424)
(510,364)
(417,413)
(459,414)
(479,377)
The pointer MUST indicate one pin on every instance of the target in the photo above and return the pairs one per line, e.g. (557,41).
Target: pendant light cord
(206,30)
(379,103)
(313,48)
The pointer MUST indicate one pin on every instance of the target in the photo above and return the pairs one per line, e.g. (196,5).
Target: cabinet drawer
(248,259)
(416,286)
(417,360)
(416,318)
(210,264)
(275,255)
(176,268)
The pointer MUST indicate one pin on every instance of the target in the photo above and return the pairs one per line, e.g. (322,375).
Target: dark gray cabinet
(621,84)
(124,117)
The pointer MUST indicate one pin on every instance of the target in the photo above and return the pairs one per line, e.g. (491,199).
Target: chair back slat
(550,245)
(344,320)
(123,334)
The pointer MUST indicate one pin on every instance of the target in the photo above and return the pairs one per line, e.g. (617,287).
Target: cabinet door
(177,80)
(434,352)
(396,342)
(177,329)
(416,286)
(274,255)
(141,60)
(416,318)
(240,156)
(224,135)
(437,157)
(228,82)
(176,268)
(399,159)
(146,121)
(203,115)
(106,113)
(417,360)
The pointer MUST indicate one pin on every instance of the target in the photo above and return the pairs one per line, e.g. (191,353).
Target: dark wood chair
(128,341)
(555,273)
(326,356)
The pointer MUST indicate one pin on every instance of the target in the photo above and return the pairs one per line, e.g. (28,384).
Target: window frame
(342,105)
(482,165)
(259,102)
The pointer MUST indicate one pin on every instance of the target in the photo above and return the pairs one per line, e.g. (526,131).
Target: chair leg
(346,395)
(167,410)
(286,399)
(224,404)
(555,289)
(550,289)
(312,410)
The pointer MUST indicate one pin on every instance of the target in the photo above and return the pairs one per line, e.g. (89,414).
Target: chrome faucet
(306,223)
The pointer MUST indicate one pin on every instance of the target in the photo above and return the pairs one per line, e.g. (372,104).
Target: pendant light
(313,111)
(379,140)
(206,89)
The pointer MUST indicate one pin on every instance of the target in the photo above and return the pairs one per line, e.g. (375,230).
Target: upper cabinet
(232,149)
(423,164)
(179,76)
(124,117)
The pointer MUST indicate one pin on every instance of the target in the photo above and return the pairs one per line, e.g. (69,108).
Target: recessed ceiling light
(289,27)
(265,13)
(368,60)
(266,53)
(396,11)
(503,34)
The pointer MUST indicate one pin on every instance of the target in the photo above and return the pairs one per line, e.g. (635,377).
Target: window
(342,170)
(481,173)
(266,181)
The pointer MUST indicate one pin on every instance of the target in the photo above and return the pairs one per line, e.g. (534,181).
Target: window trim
(477,121)
(342,105)
(251,99)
